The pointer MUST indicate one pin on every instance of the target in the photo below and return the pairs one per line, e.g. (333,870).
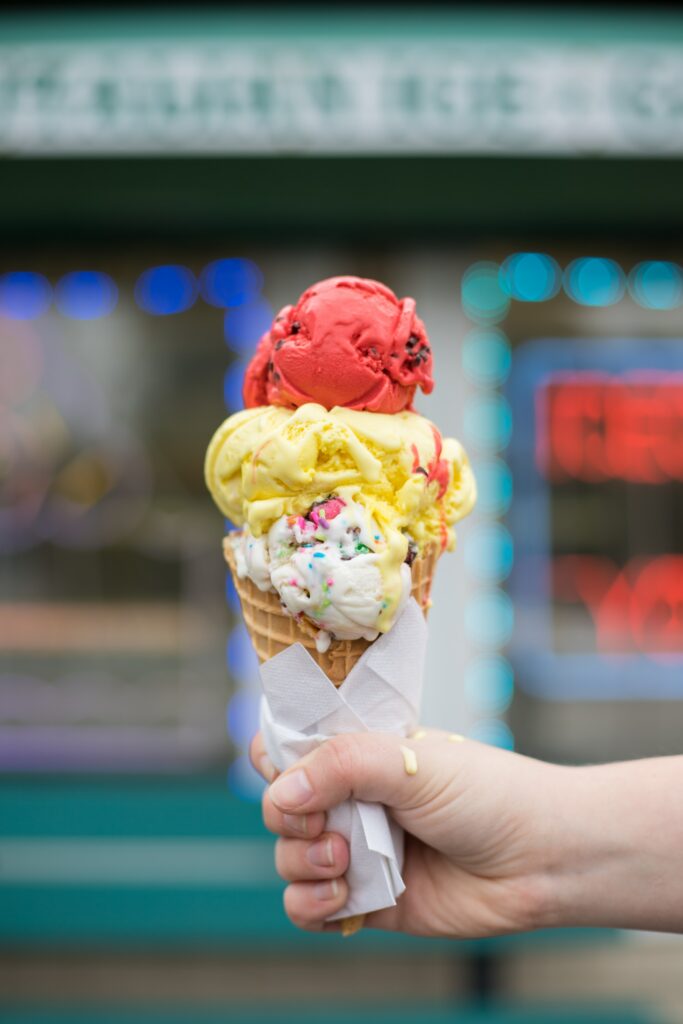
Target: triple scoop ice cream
(336,484)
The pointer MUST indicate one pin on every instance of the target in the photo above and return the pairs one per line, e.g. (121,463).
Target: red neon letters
(595,427)
(638,608)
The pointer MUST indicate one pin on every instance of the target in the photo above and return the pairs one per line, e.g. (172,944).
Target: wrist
(611,852)
(568,849)
(556,845)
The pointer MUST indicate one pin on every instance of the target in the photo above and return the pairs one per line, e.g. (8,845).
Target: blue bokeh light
(231,595)
(489,684)
(243,716)
(232,386)
(489,618)
(240,655)
(530,277)
(230,282)
(594,281)
(486,357)
(166,290)
(24,295)
(244,781)
(86,295)
(494,486)
(494,732)
(657,284)
(489,552)
(244,325)
(483,299)
(487,422)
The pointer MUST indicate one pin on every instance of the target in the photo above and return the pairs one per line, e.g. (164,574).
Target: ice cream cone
(272,630)
(351,925)
(332,475)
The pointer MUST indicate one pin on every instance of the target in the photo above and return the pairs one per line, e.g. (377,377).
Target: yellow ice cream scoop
(269,461)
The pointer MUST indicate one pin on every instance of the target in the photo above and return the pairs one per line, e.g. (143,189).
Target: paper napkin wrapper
(301,708)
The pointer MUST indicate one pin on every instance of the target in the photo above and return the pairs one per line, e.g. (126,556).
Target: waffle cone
(272,630)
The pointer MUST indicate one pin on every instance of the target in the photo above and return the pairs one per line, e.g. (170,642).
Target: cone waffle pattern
(272,630)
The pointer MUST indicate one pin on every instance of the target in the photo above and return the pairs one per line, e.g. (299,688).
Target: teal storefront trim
(165,862)
(431,23)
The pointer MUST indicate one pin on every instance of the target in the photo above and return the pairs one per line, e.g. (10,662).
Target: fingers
(282,824)
(312,861)
(260,760)
(296,826)
(298,860)
(398,772)
(308,904)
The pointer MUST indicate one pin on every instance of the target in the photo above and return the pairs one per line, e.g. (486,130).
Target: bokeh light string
(487,291)
(166,290)
(234,283)
(235,286)
(86,295)
(24,295)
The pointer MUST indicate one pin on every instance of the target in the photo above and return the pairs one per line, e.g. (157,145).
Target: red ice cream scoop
(348,341)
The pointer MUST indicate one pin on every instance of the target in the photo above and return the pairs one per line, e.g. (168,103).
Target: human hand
(476,822)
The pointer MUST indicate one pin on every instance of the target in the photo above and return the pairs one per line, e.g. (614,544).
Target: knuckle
(345,757)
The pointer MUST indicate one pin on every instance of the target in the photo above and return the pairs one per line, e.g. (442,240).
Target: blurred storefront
(170,181)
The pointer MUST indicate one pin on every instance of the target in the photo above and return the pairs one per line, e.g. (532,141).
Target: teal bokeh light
(489,685)
(494,487)
(487,421)
(486,357)
(657,284)
(489,553)
(494,732)
(594,281)
(489,618)
(530,277)
(483,299)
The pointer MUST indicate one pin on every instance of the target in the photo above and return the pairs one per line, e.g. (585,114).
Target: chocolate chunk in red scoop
(349,341)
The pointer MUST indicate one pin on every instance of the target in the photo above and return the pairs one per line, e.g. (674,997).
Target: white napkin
(301,708)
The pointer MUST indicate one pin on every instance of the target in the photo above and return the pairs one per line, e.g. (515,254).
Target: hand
(474,819)
(495,842)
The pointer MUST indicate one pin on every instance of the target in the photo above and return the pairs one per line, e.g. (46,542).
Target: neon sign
(597,583)
(635,608)
(602,427)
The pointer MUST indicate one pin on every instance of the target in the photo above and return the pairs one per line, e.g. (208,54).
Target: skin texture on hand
(467,867)
(495,842)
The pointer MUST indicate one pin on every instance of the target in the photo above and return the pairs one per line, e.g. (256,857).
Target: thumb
(380,768)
